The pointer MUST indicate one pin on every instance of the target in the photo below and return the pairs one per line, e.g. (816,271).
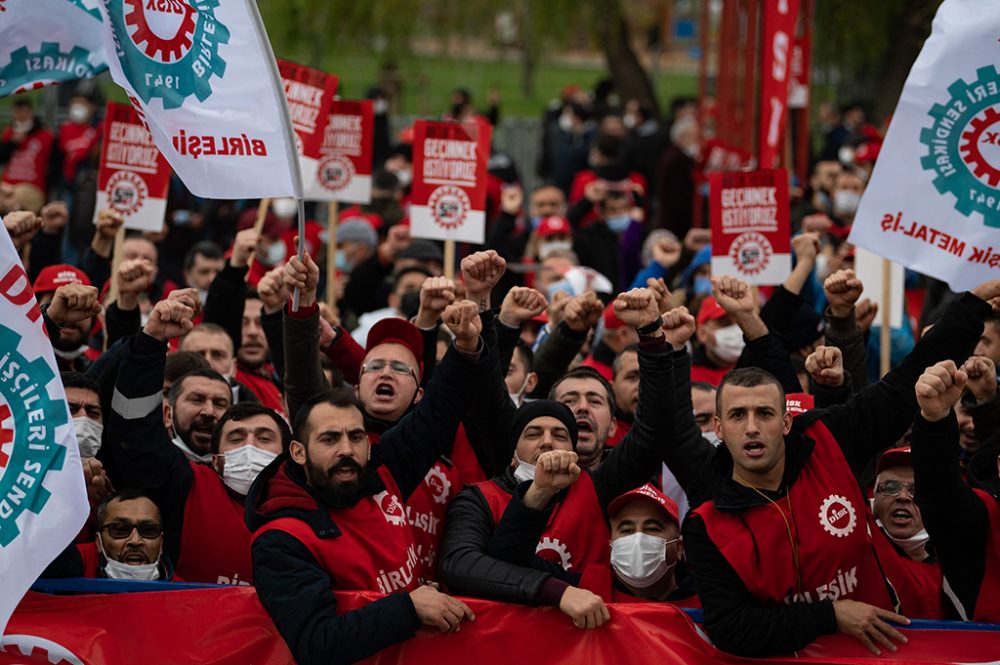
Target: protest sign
(751,235)
(344,169)
(309,93)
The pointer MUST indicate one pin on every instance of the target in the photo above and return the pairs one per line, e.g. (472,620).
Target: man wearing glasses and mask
(128,545)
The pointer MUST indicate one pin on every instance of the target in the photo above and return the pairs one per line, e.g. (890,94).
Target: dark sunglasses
(122,530)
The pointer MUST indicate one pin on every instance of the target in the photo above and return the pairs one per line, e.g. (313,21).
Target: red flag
(779,28)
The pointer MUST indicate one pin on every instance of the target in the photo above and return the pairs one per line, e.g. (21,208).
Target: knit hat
(357,230)
(537,409)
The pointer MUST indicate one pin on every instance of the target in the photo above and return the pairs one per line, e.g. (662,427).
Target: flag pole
(258,225)
(332,219)
(286,118)
(449,258)
(885,336)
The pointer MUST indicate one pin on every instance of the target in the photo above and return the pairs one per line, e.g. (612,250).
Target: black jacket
(869,422)
(465,564)
(293,586)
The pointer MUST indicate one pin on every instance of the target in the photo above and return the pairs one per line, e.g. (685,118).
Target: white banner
(48,41)
(43,501)
(933,203)
(202,74)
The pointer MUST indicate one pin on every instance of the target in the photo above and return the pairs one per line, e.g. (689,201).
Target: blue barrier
(94,585)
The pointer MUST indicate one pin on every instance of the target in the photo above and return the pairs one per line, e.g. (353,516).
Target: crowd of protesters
(585,415)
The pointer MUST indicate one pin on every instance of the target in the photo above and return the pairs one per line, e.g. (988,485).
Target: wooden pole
(885,338)
(265,205)
(116,259)
(332,218)
(449,259)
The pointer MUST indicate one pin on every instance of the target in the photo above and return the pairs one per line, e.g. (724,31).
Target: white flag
(202,74)
(933,203)
(43,501)
(48,41)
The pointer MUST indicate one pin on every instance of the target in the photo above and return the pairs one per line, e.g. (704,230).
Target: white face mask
(524,471)
(79,113)
(566,122)
(276,253)
(116,570)
(380,106)
(405,177)
(546,248)
(822,267)
(908,545)
(640,560)
(729,343)
(88,435)
(285,207)
(846,201)
(190,454)
(712,438)
(243,465)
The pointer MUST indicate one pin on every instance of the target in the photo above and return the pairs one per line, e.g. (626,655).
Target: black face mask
(409,304)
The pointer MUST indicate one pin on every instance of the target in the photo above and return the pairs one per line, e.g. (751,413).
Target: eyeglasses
(396,366)
(894,487)
(122,530)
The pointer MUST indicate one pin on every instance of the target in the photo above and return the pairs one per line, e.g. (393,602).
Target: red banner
(775,67)
(133,177)
(751,226)
(798,91)
(718,155)
(309,93)
(344,170)
(229,627)
(449,180)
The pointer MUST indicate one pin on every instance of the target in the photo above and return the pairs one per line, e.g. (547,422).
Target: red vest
(577,534)
(91,558)
(598,579)
(77,143)
(917,584)
(827,515)
(988,601)
(710,375)
(375,549)
(425,510)
(30,161)
(465,460)
(215,541)
(263,388)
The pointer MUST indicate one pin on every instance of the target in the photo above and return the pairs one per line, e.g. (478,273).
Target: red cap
(52,277)
(710,310)
(397,331)
(552,226)
(894,457)
(798,403)
(611,320)
(867,152)
(652,495)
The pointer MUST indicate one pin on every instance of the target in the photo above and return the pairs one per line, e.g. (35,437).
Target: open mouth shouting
(754,449)
(901,516)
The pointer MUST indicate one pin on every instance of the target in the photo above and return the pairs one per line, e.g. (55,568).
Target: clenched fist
(842,290)
(555,470)
(72,303)
(436,293)
(303,275)
(678,326)
(583,312)
(637,308)
(170,318)
(939,388)
(462,318)
(521,304)
(826,366)
(481,272)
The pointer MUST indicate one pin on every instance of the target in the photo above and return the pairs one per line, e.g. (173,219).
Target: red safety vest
(29,162)
(215,541)
(263,388)
(465,460)
(988,601)
(598,579)
(425,511)
(375,550)
(91,558)
(827,515)
(710,375)
(918,585)
(577,534)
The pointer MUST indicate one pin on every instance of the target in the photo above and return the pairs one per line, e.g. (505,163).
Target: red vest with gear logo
(577,534)
(917,584)
(426,508)
(375,550)
(215,541)
(828,521)
(988,600)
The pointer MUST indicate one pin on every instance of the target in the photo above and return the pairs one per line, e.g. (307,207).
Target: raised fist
(666,252)
(806,247)
(54,215)
(734,295)
(72,303)
(583,312)
(842,289)
(990,292)
(663,297)
(396,240)
(817,223)
(22,225)
(939,388)
(98,484)
(864,313)
(982,375)
(678,326)
(436,293)
(135,276)
(826,366)
(557,307)
(511,199)
(462,318)
(303,275)
(637,308)
(521,304)
(481,272)
(244,246)
(697,238)
(169,318)
(555,470)
(272,291)
(595,190)
(108,223)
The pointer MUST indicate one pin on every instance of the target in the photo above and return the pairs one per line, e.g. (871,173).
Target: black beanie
(538,408)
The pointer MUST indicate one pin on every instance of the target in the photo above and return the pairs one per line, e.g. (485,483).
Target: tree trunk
(631,79)
(916,26)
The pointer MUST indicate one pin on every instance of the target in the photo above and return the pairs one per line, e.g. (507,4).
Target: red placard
(449,180)
(718,155)
(779,28)
(133,177)
(344,169)
(751,225)
(309,93)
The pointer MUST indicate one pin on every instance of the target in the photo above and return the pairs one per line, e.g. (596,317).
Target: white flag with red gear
(202,74)
(48,41)
(43,500)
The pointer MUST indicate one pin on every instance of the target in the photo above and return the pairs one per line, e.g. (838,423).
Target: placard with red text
(343,171)
(309,93)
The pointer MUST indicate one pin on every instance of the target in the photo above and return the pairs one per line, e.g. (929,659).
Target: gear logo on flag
(168,49)
(34,418)
(964,145)
(34,649)
(29,70)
